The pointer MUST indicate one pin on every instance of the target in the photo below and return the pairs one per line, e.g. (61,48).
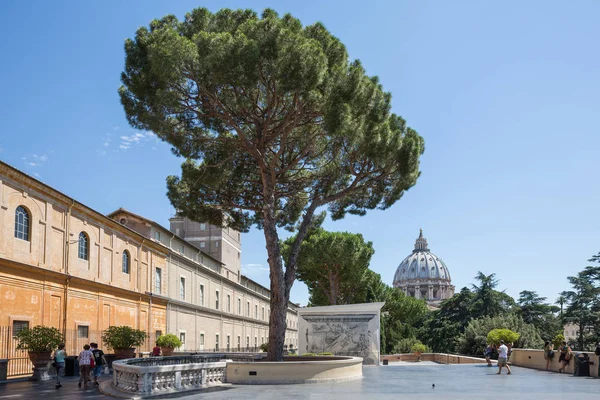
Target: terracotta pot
(167,351)
(121,354)
(40,365)
(40,358)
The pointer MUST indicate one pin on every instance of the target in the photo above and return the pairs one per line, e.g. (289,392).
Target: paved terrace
(395,381)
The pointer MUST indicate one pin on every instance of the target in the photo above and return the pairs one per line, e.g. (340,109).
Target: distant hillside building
(424,275)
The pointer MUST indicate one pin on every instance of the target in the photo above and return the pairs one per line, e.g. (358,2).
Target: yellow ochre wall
(43,280)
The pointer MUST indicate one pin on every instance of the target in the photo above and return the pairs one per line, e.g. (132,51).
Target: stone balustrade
(147,377)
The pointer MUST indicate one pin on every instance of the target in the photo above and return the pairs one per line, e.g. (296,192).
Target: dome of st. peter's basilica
(424,275)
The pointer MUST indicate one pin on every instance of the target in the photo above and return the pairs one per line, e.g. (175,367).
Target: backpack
(597,352)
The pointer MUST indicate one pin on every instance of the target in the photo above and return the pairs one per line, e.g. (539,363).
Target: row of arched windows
(22,225)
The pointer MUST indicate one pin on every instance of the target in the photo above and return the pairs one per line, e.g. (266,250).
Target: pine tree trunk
(279,292)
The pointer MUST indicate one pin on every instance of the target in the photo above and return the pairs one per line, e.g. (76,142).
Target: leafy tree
(404,346)
(557,340)
(535,311)
(474,339)
(583,304)
(402,315)
(419,347)
(329,264)
(442,328)
(275,124)
(561,300)
(486,300)
(497,336)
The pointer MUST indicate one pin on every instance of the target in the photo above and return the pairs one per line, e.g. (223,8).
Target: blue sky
(506,95)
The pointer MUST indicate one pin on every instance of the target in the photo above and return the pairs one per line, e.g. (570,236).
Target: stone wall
(295,370)
(440,358)
(342,330)
(530,358)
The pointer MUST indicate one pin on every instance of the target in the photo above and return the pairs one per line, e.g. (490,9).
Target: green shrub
(404,346)
(264,347)
(496,335)
(169,340)
(39,339)
(308,354)
(419,348)
(123,337)
(473,340)
(325,353)
(558,339)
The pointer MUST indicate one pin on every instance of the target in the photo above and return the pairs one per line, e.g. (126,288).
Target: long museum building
(62,264)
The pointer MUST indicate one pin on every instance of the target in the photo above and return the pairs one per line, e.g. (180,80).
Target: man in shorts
(99,362)
(503,358)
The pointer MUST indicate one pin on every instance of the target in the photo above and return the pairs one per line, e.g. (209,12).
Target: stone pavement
(395,381)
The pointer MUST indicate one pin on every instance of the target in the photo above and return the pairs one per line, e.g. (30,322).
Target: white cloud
(125,142)
(35,160)
(254,268)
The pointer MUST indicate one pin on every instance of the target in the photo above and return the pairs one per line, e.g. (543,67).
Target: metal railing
(18,360)
(19,364)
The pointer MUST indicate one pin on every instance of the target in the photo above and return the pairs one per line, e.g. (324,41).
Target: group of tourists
(91,361)
(564,358)
(505,350)
(565,355)
(503,355)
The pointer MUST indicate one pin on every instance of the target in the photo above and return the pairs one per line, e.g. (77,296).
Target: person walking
(503,358)
(99,362)
(565,356)
(488,354)
(59,362)
(548,353)
(85,358)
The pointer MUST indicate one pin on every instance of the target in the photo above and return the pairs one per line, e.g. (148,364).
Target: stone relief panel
(354,335)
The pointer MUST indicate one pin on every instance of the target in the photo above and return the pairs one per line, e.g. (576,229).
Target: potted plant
(39,341)
(417,349)
(123,340)
(168,343)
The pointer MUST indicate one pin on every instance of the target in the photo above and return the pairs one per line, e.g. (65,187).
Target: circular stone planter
(318,369)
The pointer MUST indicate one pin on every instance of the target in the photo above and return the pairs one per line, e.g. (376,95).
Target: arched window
(21,223)
(126,262)
(84,247)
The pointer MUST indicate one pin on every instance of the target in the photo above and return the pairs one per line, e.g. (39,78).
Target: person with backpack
(99,362)
(565,356)
(548,353)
